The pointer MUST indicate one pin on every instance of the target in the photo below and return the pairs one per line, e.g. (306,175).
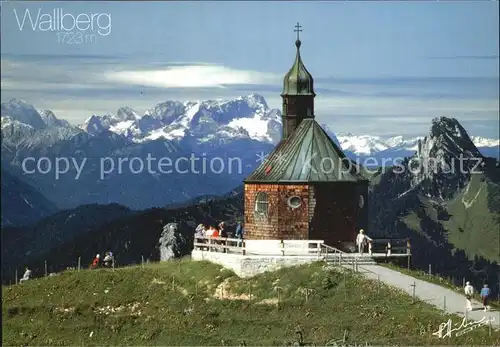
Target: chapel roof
(307,155)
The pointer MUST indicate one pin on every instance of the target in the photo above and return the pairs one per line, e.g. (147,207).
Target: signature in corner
(445,329)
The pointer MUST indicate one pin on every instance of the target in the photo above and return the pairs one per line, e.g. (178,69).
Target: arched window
(261,204)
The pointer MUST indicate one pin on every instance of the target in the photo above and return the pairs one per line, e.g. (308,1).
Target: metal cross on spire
(298,30)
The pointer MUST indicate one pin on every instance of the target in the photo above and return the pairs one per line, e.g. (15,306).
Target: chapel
(306,188)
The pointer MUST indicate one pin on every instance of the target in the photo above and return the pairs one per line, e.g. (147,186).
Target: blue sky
(381,68)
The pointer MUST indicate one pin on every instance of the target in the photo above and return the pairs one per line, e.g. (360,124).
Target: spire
(298,30)
(298,81)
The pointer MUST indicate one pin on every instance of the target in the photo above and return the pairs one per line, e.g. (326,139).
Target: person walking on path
(485,295)
(361,241)
(469,291)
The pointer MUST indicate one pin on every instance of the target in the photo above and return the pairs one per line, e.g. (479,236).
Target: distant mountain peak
(447,138)
(93,125)
(50,119)
(126,113)
(445,125)
(23,112)
(445,159)
(255,99)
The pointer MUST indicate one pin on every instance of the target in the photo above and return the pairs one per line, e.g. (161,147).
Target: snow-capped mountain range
(246,117)
(211,121)
(367,144)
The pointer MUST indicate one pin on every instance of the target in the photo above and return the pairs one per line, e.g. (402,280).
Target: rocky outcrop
(176,240)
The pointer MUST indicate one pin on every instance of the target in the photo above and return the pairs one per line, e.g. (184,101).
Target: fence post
(463,281)
(142,261)
(16,276)
(414,285)
(279,295)
(345,287)
(79,263)
(46,273)
(430,270)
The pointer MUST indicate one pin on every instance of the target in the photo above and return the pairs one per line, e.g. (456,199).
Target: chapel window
(294,202)
(261,204)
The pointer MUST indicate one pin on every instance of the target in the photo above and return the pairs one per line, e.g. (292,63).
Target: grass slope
(472,226)
(198,303)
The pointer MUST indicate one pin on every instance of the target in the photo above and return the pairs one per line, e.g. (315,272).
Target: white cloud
(197,76)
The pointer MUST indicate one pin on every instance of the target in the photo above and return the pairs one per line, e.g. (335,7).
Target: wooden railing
(385,246)
(219,244)
(239,246)
(391,246)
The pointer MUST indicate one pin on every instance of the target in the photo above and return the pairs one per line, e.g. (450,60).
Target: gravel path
(430,293)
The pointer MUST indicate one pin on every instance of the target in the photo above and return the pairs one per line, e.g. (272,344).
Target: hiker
(239,232)
(222,229)
(199,231)
(95,262)
(361,241)
(26,276)
(108,259)
(485,295)
(212,232)
(469,291)
(215,232)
